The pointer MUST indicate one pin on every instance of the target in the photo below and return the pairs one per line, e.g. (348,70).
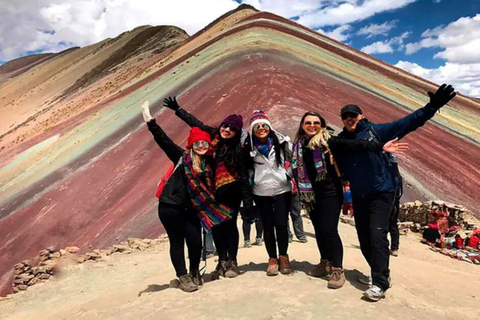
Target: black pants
(372,216)
(325,215)
(225,235)
(297,220)
(182,226)
(393,225)
(274,213)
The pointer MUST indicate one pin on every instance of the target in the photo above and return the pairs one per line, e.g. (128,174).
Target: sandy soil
(426,285)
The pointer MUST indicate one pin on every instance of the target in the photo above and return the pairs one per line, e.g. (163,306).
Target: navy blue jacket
(370,172)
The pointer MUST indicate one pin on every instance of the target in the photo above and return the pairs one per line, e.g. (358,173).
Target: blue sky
(435,39)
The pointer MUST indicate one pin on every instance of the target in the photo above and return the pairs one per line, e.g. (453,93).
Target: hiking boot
(284,265)
(394,253)
(337,278)
(321,270)
(219,270)
(366,280)
(374,293)
(186,283)
(231,270)
(258,242)
(247,244)
(303,240)
(196,277)
(272,269)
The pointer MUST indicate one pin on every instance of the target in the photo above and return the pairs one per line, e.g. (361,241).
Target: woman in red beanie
(231,182)
(187,200)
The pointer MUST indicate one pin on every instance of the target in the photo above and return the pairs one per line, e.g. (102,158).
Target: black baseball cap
(351,108)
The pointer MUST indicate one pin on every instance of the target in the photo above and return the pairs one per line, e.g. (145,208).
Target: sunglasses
(348,115)
(310,123)
(227,126)
(197,144)
(260,126)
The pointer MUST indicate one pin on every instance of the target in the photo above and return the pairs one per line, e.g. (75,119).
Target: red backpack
(164,180)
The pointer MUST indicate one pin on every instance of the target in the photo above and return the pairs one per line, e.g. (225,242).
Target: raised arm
(172,150)
(341,146)
(189,119)
(405,125)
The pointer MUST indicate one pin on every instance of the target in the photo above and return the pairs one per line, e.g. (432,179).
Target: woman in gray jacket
(271,188)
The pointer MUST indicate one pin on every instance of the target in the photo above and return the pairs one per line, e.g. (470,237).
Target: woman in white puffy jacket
(269,153)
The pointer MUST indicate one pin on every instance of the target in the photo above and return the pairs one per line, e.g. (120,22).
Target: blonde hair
(320,139)
(196,161)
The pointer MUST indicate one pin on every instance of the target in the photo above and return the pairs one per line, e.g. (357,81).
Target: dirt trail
(426,285)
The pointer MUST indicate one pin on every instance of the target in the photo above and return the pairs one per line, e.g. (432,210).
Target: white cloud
(374,29)
(340,34)
(387,46)
(81,22)
(378,47)
(337,12)
(464,77)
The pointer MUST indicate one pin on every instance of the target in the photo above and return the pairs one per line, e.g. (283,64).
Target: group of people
(224,166)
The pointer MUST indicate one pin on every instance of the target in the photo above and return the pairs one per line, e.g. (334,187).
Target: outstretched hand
(442,96)
(393,146)
(171,103)
(146,112)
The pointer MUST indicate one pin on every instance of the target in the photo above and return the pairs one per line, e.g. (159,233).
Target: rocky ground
(426,285)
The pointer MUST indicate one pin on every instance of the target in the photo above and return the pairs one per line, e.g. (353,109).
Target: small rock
(32,281)
(82,259)
(22,287)
(72,249)
(44,276)
(17,271)
(63,252)
(15,289)
(55,255)
(44,252)
(51,249)
(19,266)
(27,262)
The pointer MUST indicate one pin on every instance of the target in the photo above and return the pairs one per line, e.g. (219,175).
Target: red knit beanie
(197,135)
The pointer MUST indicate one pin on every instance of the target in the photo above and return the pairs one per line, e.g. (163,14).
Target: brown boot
(321,270)
(337,278)
(284,265)
(272,269)
(232,270)
(186,283)
(219,270)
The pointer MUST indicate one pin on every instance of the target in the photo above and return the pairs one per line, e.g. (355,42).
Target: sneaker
(284,265)
(272,269)
(196,277)
(186,283)
(219,269)
(394,253)
(366,280)
(258,242)
(231,270)
(303,240)
(337,278)
(321,270)
(247,244)
(374,293)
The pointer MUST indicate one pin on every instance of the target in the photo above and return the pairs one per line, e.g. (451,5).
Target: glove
(171,103)
(146,112)
(443,95)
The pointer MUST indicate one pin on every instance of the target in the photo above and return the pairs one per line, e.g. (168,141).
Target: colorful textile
(307,195)
(201,192)
(263,148)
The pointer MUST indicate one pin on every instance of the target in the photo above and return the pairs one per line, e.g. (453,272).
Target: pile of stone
(416,212)
(27,273)
(40,269)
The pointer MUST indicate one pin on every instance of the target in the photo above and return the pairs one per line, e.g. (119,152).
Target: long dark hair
(229,151)
(301,133)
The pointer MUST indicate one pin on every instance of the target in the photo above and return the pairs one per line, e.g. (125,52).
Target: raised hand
(393,146)
(442,96)
(171,103)
(146,111)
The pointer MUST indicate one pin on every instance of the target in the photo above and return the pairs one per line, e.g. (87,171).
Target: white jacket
(269,179)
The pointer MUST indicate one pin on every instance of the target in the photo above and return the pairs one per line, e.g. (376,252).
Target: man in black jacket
(372,182)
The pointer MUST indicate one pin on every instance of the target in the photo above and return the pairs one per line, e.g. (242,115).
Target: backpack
(164,180)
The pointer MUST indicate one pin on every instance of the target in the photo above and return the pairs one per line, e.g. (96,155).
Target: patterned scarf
(263,148)
(305,188)
(208,209)
(223,176)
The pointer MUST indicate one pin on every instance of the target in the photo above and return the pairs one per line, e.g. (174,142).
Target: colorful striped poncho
(200,190)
